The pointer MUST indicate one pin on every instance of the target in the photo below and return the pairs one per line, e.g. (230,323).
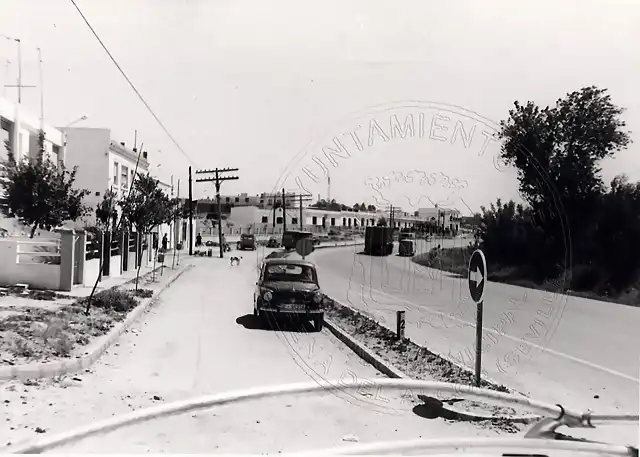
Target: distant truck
(291,237)
(378,240)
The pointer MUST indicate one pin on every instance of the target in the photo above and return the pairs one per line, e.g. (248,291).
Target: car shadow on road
(251,322)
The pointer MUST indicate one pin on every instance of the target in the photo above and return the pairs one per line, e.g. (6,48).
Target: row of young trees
(572,226)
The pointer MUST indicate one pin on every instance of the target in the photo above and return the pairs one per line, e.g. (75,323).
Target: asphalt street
(563,349)
(200,339)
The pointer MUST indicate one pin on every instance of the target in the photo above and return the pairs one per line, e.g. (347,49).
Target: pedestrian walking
(165,243)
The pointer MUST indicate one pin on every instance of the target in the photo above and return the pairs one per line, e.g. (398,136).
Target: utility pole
(218,179)
(306,198)
(284,213)
(190,213)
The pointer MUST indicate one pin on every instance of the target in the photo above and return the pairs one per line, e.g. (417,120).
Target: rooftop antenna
(329,187)
(41,89)
(6,76)
(135,139)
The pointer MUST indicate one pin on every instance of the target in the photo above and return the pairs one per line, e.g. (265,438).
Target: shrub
(114,299)
(142,293)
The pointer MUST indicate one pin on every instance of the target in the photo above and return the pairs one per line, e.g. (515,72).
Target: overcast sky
(266,86)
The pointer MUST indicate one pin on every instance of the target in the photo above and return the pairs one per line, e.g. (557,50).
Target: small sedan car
(289,287)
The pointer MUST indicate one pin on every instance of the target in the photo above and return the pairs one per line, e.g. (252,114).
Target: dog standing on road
(235,260)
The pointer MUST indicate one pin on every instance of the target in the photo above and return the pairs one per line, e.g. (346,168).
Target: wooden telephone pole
(218,178)
(293,196)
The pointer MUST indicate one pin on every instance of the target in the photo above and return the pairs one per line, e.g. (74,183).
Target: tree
(106,212)
(39,193)
(382,221)
(557,152)
(371,208)
(146,207)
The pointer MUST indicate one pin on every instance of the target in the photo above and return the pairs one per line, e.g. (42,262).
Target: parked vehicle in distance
(378,240)
(273,242)
(406,248)
(247,241)
(289,287)
(291,237)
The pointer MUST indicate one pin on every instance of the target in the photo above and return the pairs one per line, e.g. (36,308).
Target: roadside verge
(95,348)
(381,348)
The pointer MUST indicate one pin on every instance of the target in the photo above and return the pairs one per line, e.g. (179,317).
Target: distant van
(291,237)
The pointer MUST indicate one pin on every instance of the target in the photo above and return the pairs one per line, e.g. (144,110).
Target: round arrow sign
(477,276)
(304,247)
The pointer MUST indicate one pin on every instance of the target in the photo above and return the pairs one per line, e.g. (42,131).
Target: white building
(21,129)
(441,217)
(258,220)
(103,164)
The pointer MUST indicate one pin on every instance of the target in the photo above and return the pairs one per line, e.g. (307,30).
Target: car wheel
(318,322)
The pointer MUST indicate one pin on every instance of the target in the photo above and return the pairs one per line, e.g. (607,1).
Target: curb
(365,353)
(93,352)
(392,371)
(338,246)
(443,357)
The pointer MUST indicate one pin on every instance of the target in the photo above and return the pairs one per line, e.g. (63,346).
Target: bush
(114,299)
(142,293)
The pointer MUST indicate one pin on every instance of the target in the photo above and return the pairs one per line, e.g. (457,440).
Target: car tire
(318,322)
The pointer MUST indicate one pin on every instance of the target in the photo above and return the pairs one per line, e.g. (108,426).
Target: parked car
(289,287)
(273,242)
(247,241)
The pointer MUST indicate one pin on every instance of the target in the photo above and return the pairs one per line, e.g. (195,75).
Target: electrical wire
(115,62)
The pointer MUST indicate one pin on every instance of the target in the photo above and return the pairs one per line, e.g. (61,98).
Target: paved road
(580,352)
(202,339)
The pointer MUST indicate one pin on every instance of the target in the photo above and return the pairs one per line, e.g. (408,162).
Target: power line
(132,85)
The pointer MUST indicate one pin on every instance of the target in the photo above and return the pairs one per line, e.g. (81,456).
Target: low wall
(91,269)
(115,266)
(19,263)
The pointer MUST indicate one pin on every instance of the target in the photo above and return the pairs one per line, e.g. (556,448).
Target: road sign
(477,276)
(304,246)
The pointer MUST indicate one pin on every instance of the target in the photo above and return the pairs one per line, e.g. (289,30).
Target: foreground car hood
(286,286)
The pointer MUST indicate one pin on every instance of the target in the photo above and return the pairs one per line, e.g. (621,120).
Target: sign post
(477,280)
(304,247)
(400,324)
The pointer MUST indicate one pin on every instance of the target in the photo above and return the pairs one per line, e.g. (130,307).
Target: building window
(269,202)
(265,219)
(246,200)
(278,220)
(237,199)
(125,177)
(294,220)
(314,220)
(333,222)
(115,173)
(262,200)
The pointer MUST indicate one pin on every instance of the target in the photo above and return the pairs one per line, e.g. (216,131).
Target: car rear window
(301,273)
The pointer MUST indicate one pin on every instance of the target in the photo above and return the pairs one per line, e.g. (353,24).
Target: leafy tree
(557,152)
(39,193)
(106,212)
(147,206)
(371,208)
(382,221)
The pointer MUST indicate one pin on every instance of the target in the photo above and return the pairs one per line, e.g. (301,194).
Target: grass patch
(579,282)
(39,334)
